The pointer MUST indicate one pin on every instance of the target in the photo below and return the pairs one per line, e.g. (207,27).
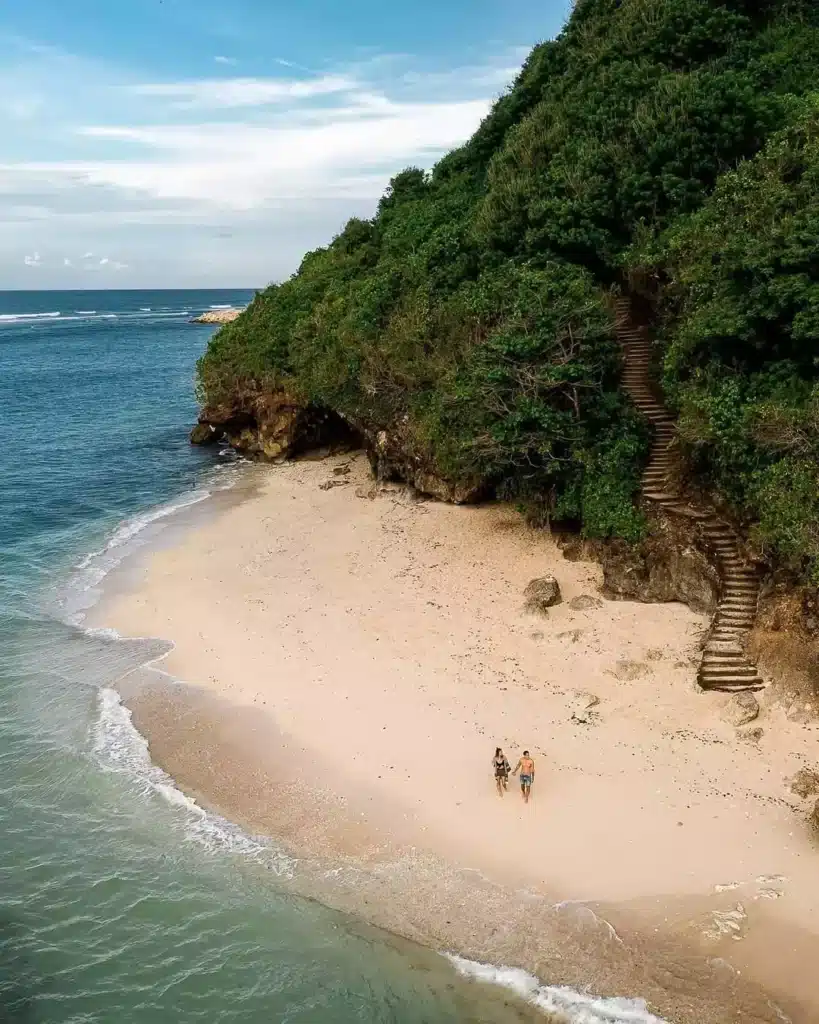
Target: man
(526,767)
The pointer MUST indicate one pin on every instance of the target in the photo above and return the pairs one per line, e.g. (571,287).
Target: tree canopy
(667,145)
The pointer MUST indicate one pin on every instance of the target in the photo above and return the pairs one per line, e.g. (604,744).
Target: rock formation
(217,316)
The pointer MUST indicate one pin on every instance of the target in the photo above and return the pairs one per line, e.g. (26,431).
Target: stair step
(728,674)
(725,685)
(738,688)
(729,661)
(721,674)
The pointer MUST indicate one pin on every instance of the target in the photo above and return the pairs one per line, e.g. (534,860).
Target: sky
(211,143)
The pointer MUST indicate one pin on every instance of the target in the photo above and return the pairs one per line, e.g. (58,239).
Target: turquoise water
(120,900)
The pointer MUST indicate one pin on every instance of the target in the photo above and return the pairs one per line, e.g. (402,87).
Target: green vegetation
(665,146)
(739,308)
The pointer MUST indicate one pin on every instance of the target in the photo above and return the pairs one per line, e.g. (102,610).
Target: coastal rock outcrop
(669,564)
(267,425)
(271,425)
(217,316)
(204,433)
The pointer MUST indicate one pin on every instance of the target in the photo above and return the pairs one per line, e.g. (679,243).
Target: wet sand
(356,658)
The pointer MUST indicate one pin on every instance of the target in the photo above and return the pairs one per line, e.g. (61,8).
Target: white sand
(389,635)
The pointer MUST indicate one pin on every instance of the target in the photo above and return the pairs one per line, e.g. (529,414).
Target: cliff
(465,335)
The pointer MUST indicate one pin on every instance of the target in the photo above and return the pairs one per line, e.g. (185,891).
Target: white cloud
(221,179)
(243,92)
(33,261)
(350,151)
(224,60)
(67,262)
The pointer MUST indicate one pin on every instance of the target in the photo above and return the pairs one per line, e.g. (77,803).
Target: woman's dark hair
(497,751)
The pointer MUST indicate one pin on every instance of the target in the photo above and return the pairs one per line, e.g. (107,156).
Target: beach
(346,658)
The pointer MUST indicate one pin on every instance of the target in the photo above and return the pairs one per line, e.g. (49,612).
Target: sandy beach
(352,657)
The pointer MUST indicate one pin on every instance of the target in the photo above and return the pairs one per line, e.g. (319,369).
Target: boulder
(814,817)
(802,712)
(740,709)
(541,594)
(584,602)
(750,734)
(805,783)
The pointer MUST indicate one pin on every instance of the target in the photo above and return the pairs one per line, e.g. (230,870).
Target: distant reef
(217,316)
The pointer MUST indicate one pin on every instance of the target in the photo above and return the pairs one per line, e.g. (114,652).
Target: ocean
(122,900)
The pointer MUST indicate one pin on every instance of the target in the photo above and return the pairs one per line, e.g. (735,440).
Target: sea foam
(574,1007)
(118,747)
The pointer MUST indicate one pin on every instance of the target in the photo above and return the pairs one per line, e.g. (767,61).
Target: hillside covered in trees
(664,148)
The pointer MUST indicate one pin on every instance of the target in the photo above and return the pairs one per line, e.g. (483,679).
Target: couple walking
(526,767)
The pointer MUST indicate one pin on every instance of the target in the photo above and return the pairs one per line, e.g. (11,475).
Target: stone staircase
(724,666)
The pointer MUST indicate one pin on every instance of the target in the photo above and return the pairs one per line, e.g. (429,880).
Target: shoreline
(327,618)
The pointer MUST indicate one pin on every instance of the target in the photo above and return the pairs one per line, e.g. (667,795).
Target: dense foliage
(666,141)
(740,299)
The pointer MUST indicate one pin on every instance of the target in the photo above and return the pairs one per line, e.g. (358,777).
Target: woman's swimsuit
(501,768)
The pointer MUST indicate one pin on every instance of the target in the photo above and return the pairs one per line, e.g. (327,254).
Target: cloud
(33,261)
(224,60)
(243,92)
(352,151)
(104,260)
(67,262)
(212,179)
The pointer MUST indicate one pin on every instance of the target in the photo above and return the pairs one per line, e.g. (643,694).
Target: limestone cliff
(273,425)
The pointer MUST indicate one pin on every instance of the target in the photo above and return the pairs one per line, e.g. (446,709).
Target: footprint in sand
(726,923)
(769,894)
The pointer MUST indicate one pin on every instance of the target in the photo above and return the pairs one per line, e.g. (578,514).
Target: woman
(501,766)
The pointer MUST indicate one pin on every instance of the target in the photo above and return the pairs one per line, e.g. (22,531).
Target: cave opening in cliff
(324,428)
